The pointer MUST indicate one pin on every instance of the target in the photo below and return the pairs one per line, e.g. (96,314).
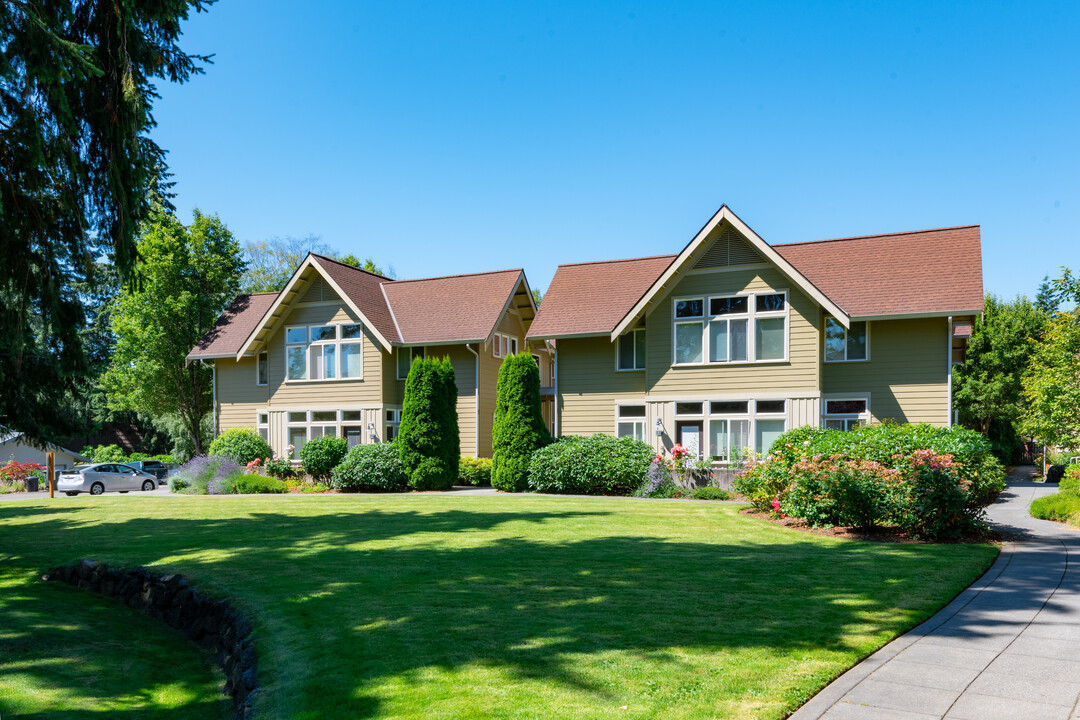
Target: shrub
(474,471)
(321,455)
(519,424)
(658,482)
(428,438)
(196,475)
(710,492)
(597,465)
(104,453)
(375,467)
(241,445)
(169,459)
(257,484)
(277,467)
(178,483)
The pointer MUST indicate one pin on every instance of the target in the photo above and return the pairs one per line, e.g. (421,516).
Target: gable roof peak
(353,267)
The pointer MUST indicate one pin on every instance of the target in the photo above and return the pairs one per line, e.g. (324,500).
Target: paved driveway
(1006,648)
(161,490)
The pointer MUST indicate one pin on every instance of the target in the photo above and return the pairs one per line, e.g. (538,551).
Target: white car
(104,477)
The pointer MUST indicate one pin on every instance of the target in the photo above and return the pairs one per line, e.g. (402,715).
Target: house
(15,446)
(329,354)
(733,341)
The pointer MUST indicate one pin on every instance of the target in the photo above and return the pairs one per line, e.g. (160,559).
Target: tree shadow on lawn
(338,621)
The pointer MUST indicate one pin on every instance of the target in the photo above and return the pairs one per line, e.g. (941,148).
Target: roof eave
(917,315)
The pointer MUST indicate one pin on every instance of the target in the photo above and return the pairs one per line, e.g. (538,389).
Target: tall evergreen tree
(519,423)
(428,439)
(77,169)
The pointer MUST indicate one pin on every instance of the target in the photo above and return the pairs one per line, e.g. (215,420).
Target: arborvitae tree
(519,424)
(428,438)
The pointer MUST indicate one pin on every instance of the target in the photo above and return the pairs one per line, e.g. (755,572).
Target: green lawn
(435,606)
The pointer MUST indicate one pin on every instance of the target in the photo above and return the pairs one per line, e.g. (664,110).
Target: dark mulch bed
(883,534)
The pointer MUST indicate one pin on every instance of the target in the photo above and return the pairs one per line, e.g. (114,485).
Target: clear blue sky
(446,137)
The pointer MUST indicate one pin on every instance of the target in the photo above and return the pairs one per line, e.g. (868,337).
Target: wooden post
(51,466)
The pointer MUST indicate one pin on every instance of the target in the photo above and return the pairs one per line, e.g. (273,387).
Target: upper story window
(262,369)
(503,345)
(405,357)
(731,329)
(632,350)
(324,352)
(846,344)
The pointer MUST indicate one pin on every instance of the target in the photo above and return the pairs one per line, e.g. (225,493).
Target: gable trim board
(725,213)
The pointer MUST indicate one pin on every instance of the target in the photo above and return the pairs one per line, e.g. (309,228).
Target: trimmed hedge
(258,484)
(241,445)
(597,465)
(930,482)
(321,455)
(474,471)
(428,438)
(519,424)
(1064,505)
(373,468)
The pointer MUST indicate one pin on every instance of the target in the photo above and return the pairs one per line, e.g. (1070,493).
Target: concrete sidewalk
(1008,647)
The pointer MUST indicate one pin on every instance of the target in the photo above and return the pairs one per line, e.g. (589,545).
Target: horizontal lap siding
(798,375)
(239,398)
(589,386)
(906,375)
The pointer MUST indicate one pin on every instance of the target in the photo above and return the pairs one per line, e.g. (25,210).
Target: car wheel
(71,494)
(148,486)
(97,489)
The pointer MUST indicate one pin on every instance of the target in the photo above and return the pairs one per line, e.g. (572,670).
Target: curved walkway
(1007,647)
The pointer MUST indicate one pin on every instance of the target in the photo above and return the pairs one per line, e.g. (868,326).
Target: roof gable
(232,329)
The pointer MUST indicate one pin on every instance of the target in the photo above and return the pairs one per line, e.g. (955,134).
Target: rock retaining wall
(214,624)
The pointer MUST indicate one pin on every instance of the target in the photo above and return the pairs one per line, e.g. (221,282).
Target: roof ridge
(264,292)
(620,260)
(879,235)
(460,275)
(353,267)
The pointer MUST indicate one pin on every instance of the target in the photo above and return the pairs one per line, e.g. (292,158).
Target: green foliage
(188,275)
(321,455)
(241,445)
(519,424)
(258,484)
(1055,473)
(428,439)
(279,467)
(104,453)
(270,263)
(1064,505)
(371,468)
(1051,413)
(710,492)
(987,386)
(80,171)
(474,471)
(596,465)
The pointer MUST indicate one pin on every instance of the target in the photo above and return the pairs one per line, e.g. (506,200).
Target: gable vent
(729,248)
(319,291)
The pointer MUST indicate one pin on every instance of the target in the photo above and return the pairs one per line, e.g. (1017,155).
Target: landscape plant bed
(445,606)
(880,534)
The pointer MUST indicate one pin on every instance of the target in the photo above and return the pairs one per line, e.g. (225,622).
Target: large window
(735,427)
(731,329)
(846,344)
(844,414)
(304,425)
(405,357)
(631,421)
(504,345)
(632,350)
(324,352)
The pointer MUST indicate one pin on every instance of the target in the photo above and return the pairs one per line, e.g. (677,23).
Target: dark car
(151,467)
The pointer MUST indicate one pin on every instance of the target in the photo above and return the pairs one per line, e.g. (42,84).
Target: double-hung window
(846,344)
(631,422)
(632,350)
(845,414)
(731,328)
(324,352)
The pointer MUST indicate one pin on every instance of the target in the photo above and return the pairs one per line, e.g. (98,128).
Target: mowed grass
(443,606)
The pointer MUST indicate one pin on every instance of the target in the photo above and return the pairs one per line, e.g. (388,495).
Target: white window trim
(258,358)
(337,341)
(863,417)
(503,345)
(617,351)
(642,420)
(751,416)
(751,327)
(824,358)
(412,356)
(387,424)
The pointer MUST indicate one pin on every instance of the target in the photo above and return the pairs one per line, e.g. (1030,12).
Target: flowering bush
(13,475)
(658,482)
(278,467)
(206,474)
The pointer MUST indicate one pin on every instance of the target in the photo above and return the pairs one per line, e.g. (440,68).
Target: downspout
(948,360)
(555,384)
(476,399)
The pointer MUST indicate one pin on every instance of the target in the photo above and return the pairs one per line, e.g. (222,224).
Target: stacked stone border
(213,624)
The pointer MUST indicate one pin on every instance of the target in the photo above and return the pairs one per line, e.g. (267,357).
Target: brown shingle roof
(593,297)
(233,327)
(926,271)
(365,290)
(456,308)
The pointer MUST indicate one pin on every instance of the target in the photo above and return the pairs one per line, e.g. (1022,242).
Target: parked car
(104,477)
(152,467)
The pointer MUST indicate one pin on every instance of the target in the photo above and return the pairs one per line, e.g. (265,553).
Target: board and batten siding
(906,375)
(795,376)
(589,386)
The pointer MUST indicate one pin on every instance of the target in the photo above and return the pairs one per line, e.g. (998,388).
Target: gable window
(262,369)
(631,422)
(503,345)
(731,329)
(632,350)
(324,352)
(405,357)
(845,344)
(846,413)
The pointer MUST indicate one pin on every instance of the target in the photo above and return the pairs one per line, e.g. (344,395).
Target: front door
(688,434)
